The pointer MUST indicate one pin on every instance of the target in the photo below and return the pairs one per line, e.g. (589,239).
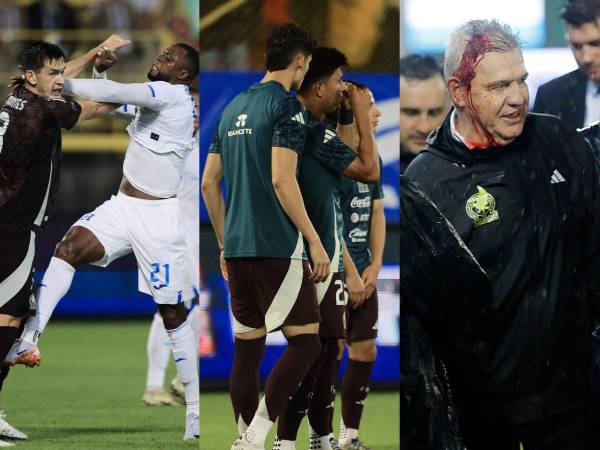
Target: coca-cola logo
(364,202)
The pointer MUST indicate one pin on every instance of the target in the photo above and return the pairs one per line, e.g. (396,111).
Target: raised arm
(365,167)
(75,66)
(107,91)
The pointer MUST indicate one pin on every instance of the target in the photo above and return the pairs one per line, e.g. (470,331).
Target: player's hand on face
(346,95)
(115,42)
(105,60)
(356,290)
(223,266)
(320,262)
(369,278)
(360,99)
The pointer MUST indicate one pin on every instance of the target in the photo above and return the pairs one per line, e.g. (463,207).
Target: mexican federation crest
(481,207)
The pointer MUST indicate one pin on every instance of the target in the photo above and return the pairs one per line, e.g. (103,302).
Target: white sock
(194,320)
(186,360)
(242,426)
(347,434)
(158,349)
(286,445)
(260,426)
(55,284)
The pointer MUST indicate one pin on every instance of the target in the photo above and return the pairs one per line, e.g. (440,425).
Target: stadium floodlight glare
(427,33)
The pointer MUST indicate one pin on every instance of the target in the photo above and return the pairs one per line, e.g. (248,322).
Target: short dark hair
(192,59)
(283,43)
(325,61)
(578,12)
(358,85)
(419,67)
(35,55)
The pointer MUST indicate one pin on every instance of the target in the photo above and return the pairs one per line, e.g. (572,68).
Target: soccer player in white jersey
(143,217)
(159,344)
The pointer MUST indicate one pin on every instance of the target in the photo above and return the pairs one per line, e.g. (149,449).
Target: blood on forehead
(473,54)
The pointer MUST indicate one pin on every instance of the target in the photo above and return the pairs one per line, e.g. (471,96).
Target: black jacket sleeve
(540,105)
(591,173)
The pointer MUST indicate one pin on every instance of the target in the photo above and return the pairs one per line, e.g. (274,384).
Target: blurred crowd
(66,21)
(366,31)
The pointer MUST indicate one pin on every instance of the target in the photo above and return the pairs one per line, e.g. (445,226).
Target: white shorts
(189,210)
(189,214)
(151,230)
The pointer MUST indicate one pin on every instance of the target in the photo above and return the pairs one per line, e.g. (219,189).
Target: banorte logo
(240,122)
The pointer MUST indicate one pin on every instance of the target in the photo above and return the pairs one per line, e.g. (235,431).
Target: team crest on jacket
(481,207)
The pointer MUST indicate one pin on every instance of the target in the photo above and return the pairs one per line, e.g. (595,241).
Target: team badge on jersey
(362,187)
(481,207)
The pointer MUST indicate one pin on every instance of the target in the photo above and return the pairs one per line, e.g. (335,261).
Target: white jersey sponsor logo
(362,187)
(358,235)
(239,132)
(364,202)
(241,122)
(359,217)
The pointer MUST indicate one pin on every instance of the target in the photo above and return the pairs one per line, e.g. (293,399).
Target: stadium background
(231,57)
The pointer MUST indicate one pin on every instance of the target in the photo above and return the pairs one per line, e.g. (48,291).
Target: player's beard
(156,77)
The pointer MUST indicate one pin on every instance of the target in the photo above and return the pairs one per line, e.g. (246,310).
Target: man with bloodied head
(522,191)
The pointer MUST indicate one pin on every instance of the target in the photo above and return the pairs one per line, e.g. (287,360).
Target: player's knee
(173,315)
(306,344)
(294,330)
(363,350)
(67,251)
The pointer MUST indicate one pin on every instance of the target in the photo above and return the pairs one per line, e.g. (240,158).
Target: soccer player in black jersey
(30,150)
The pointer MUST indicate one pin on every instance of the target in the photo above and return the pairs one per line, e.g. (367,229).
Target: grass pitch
(379,428)
(87,393)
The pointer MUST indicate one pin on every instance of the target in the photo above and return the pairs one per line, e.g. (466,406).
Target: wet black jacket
(530,213)
(444,296)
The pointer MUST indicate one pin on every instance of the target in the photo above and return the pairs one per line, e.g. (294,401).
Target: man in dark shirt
(575,96)
(522,191)
(30,147)
(423,104)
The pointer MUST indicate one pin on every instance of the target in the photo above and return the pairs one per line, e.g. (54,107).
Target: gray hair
(501,39)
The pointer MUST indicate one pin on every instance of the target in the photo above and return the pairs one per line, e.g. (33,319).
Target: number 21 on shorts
(341,295)
(159,277)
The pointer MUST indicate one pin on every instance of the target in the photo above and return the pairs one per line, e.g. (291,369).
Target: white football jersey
(161,129)
(167,126)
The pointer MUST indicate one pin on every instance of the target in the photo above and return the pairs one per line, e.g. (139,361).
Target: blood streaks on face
(474,52)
